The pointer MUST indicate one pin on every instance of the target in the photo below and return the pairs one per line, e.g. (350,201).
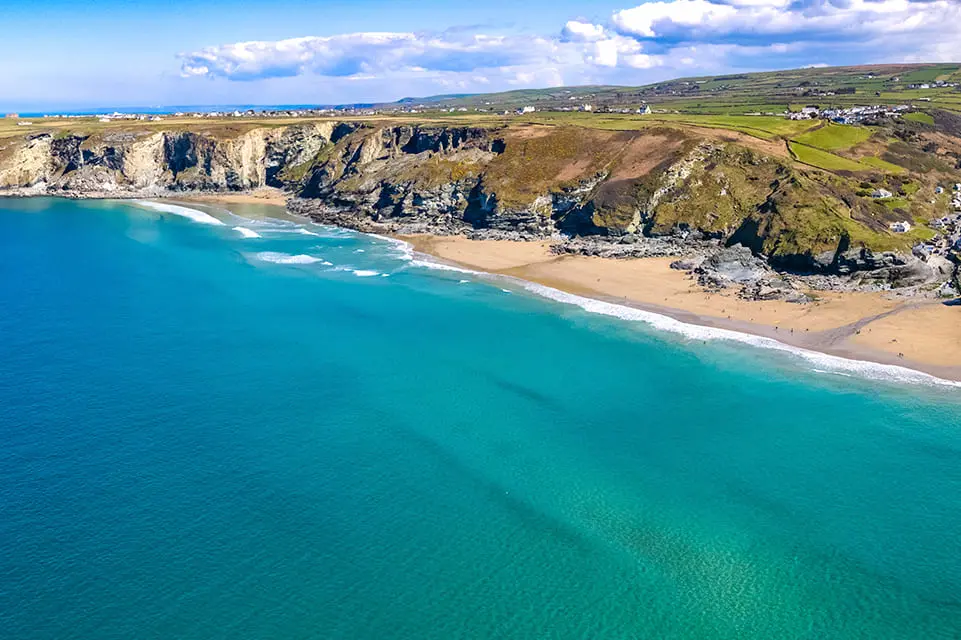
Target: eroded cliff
(672,184)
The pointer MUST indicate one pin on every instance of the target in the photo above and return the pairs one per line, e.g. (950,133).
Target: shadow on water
(524,511)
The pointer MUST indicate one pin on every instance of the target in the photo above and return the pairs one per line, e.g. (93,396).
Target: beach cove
(879,327)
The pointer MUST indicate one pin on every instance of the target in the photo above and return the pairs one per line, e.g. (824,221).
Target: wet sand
(920,334)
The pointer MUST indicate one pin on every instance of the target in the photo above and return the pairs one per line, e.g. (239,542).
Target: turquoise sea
(292,431)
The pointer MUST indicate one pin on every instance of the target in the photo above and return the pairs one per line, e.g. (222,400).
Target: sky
(100,53)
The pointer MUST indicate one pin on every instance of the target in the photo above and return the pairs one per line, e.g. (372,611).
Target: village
(849,115)
(949,226)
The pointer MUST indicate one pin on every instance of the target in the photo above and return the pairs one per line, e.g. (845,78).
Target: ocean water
(218,425)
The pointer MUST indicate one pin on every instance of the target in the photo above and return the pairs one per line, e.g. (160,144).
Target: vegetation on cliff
(792,190)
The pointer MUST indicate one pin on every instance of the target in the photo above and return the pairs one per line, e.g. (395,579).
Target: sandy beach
(263,195)
(920,334)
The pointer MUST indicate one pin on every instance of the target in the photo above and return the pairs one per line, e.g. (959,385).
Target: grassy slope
(823,159)
(835,137)
(923,118)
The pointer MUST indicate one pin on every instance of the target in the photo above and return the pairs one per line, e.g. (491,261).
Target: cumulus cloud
(647,42)
(578,31)
(358,54)
(751,20)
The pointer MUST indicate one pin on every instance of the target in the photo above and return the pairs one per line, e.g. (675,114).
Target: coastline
(869,327)
(857,327)
(262,195)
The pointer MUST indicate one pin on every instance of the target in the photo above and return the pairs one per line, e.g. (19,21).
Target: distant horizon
(210,52)
(36,111)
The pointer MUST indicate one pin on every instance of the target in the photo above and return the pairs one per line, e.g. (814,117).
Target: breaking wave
(247,233)
(184,212)
(821,361)
(286,258)
(403,250)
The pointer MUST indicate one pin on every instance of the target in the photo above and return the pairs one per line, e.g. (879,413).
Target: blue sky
(82,54)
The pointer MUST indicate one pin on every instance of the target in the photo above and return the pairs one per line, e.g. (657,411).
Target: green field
(765,127)
(824,160)
(883,165)
(917,116)
(835,137)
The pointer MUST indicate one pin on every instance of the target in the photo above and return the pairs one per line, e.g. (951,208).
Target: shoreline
(261,195)
(850,326)
(829,328)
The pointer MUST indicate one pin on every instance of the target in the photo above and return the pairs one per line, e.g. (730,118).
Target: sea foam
(821,361)
(184,212)
(247,233)
(403,250)
(365,273)
(285,258)
(440,266)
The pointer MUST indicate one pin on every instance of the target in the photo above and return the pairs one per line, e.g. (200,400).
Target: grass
(917,116)
(835,137)
(883,165)
(823,159)
(764,127)
(895,203)
(921,233)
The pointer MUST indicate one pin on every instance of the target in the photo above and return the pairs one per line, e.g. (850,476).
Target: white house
(900,227)
(587,107)
(881,193)
(645,110)
(527,109)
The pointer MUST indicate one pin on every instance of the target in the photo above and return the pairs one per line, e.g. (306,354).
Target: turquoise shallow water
(205,435)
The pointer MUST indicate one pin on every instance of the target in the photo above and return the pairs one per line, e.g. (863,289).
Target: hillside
(805,195)
(738,94)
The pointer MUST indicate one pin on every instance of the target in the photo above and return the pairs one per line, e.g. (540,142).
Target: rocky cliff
(654,191)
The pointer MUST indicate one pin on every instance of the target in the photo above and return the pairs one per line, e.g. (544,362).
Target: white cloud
(577,31)
(742,20)
(365,53)
(644,43)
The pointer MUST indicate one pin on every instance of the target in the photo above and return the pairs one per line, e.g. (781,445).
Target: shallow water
(308,434)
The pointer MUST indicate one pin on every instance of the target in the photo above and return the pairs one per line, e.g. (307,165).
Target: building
(645,110)
(900,227)
(12,115)
(881,193)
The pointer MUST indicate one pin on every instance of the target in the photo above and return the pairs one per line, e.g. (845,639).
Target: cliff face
(527,181)
(153,162)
